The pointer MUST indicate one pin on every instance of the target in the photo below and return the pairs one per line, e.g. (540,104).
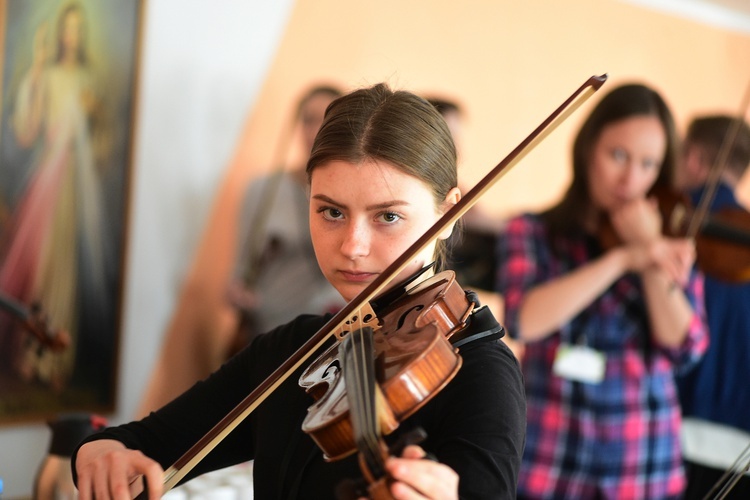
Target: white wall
(202,64)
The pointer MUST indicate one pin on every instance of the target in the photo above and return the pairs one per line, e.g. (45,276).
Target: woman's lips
(357,276)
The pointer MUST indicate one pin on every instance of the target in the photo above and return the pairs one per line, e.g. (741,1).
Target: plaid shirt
(616,439)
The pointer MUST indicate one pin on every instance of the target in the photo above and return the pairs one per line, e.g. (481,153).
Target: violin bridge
(365,316)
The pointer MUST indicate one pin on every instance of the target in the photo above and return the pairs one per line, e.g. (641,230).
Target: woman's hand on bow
(416,477)
(107,469)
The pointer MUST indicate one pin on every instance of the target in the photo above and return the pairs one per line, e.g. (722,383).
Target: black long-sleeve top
(476,424)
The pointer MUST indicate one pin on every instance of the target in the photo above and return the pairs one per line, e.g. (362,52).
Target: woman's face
(625,161)
(364,216)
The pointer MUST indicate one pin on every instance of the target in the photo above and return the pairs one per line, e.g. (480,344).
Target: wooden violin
(722,240)
(404,359)
(362,312)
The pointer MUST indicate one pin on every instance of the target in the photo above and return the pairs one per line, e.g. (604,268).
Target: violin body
(724,246)
(414,360)
(722,241)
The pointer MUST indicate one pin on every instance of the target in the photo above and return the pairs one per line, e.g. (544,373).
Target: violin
(722,242)
(34,321)
(410,343)
(365,385)
(400,320)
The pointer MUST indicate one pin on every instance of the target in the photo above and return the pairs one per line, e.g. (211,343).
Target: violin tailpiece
(365,317)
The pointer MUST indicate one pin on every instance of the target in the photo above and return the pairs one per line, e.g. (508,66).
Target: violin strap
(482,325)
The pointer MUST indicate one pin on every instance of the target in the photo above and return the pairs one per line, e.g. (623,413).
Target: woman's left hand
(416,477)
(637,221)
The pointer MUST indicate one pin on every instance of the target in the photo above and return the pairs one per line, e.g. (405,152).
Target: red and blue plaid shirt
(618,439)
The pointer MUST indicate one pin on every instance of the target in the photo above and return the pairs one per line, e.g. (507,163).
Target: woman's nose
(356,241)
(629,174)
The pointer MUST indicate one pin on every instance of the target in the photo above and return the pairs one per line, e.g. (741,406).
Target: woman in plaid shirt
(605,326)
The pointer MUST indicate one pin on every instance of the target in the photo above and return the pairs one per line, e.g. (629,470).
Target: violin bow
(714,176)
(340,322)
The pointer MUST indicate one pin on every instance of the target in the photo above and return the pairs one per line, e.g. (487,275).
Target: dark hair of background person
(710,132)
(320,89)
(444,105)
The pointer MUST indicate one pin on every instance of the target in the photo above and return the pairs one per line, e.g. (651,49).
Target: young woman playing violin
(604,327)
(381,172)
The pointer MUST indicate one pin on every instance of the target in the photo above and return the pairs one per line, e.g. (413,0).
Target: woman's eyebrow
(377,206)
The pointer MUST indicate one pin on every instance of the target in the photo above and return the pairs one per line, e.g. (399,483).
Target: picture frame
(68,94)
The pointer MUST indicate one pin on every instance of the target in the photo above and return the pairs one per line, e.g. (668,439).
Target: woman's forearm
(556,302)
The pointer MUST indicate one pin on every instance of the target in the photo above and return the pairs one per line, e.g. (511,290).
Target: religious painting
(67,101)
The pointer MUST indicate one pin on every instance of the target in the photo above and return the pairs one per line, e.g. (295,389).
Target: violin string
(714,175)
(365,385)
(358,368)
(373,433)
(731,477)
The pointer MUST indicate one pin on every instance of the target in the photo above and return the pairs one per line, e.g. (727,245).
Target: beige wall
(510,64)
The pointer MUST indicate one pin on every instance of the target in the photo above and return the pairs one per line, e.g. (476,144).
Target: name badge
(580,363)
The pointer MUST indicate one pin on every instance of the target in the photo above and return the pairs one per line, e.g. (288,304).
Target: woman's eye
(331,213)
(619,155)
(649,164)
(390,217)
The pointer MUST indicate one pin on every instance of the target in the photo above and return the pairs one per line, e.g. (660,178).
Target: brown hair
(396,127)
(623,102)
(709,133)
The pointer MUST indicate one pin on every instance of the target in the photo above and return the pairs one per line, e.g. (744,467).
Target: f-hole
(402,318)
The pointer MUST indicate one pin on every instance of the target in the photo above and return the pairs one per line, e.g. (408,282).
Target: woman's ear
(453,197)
